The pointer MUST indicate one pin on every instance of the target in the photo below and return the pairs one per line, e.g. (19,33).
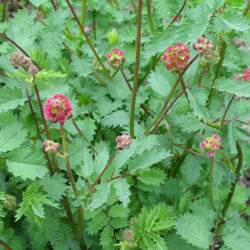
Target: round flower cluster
(203,45)
(115,58)
(9,202)
(123,141)
(19,60)
(58,108)
(176,57)
(212,57)
(211,144)
(245,75)
(51,146)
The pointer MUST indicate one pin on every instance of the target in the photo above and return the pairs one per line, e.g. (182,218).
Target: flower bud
(51,146)
(128,235)
(203,45)
(211,144)
(10,202)
(176,57)
(33,70)
(112,36)
(16,59)
(245,76)
(211,57)
(58,108)
(123,141)
(115,58)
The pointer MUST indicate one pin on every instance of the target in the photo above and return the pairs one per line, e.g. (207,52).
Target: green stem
(83,12)
(72,181)
(88,40)
(163,108)
(100,79)
(92,188)
(237,172)
(212,90)
(137,64)
(150,18)
(246,9)
(169,135)
(183,86)
(94,26)
(227,159)
(211,124)
(211,183)
(4,10)
(228,106)
(117,4)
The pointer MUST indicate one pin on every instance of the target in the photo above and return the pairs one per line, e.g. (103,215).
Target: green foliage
(158,188)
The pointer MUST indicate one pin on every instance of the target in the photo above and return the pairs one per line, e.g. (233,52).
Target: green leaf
(88,166)
(122,191)
(88,128)
(11,99)
(152,176)
(107,236)
(159,82)
(148,158)
(118,211)
(82,66)
(54,186)
(237,87)
(118,118)
(100,195)
(97,223)
(26,164)
(12,136)
(119,222)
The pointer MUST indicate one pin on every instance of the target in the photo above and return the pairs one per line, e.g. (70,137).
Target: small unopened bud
(123,141)
(203,45)
(51,146)
(112,36)
(16,59)
(33,70)
(128,235)
(10,202)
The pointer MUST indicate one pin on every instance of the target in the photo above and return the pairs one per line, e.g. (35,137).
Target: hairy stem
(88,40)
(137,64)
(92,188)
(233,185)
(83,12)
(150,18)
(211,182)
(228,106)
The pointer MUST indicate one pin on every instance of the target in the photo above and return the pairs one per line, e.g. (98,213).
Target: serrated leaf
(119,222)
(82,66)
(122,191)
(11,99)
(12,136)
(148,158)
(159,83)
(106,236)
(100,195)
(237,87)
(118,210)
(26,164)
(88,128)
(54,185)
(97,223)
(118,118)
(152,176)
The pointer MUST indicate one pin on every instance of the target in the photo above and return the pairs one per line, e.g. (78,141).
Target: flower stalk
(150,18)
(211,182)
(137,64)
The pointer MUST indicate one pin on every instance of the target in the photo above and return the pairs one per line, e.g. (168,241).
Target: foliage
(158,189)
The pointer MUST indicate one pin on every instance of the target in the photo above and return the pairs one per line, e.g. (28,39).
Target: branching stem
(228,106)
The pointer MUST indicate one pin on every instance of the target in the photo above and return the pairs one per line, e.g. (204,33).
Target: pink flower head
(203,45)
(245,76)
(58,108)
(176,57)
(211,144)
(123,141)
(51,146)
(115,57)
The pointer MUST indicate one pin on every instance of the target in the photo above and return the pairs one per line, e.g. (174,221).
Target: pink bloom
(123,141)
(211,153)
(211,144)
(176,57)
(203,45)
(58,108)
(202,146)
(51,146)
(236,76)
(115,58)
